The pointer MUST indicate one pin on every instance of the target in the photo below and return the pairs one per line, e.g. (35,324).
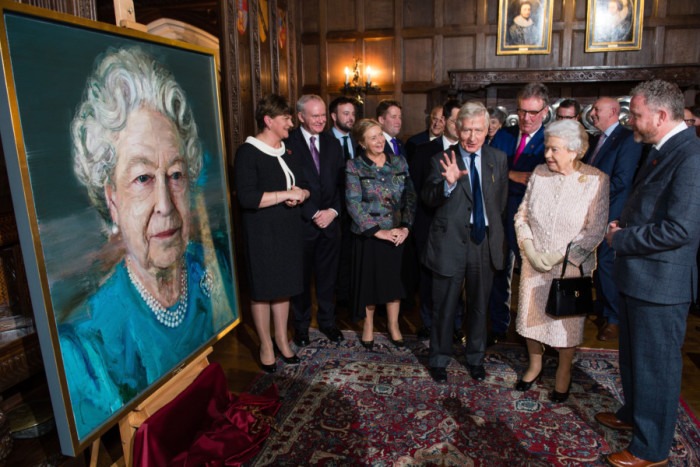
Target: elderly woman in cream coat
(566,202)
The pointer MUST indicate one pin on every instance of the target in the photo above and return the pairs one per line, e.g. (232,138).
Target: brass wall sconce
(353,80)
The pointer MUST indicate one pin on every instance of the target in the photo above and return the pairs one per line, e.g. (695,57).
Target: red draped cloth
(207,425)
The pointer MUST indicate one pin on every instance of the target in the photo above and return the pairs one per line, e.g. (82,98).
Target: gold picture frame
(614,25)
(524,27)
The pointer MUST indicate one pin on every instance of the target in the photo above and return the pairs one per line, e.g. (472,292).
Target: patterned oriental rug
(345,405)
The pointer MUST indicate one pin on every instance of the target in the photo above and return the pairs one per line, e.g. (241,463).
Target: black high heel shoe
(369,345)
(559,397)
(523,386)
(293,360)
(269,368)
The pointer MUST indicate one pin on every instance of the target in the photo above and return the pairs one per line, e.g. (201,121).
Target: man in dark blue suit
(436,125)
(524,146)
(389,117)
(321,158)
(617,154)
(655,242)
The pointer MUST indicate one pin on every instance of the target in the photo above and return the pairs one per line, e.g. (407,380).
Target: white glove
(534,257)
(552,259)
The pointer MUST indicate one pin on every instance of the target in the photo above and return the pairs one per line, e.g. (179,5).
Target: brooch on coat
(582,179)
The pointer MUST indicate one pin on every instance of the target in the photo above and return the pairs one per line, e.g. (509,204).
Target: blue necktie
(395,146)
(478,231)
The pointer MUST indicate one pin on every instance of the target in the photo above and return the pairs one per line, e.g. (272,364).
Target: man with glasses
(616,153)
(524,146)
(569,109)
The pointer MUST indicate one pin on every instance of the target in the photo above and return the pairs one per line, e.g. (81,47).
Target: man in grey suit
(468,186)
(655,242)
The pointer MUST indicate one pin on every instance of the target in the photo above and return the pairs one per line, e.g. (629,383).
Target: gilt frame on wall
(524,27)
(114,146)
(614,25)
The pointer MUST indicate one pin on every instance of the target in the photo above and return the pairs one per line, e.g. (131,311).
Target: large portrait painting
(114,146)
(524,27)
(614,25)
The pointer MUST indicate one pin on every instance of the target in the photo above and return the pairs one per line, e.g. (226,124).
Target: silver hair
(122,81)
(659,93)
(472,109)
(306,98)
(572,133)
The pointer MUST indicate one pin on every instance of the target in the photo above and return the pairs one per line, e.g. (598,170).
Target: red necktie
(521,147)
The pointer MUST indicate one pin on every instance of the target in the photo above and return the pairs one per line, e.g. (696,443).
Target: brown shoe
(610,420)
(627,459)
(609,332)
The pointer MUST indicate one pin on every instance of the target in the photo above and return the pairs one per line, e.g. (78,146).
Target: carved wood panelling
(82,8)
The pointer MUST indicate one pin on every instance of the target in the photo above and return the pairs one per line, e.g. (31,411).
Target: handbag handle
(566,260)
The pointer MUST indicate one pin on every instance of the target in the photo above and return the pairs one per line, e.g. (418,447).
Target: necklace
(166,317)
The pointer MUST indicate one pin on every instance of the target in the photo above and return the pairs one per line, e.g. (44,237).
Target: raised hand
(451,171)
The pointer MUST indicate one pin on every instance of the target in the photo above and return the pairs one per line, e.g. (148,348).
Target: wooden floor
(238,351)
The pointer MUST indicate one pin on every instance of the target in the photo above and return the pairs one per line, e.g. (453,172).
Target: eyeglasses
(566,117)
(690,121)
(531,113)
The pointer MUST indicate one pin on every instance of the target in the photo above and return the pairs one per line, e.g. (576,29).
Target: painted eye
(143,178)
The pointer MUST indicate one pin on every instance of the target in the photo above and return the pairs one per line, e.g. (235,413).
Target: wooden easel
(133,420)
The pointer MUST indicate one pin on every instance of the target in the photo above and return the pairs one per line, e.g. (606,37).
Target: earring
(115,229)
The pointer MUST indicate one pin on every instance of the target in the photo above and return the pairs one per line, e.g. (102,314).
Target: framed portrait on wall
(614,25)
(113,143)
(524,27)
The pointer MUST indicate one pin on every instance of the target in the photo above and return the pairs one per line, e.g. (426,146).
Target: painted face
(150,197)
(437,123)
(344,117)
(525,11)
(373,141)
(280,125)
(531,112)
(313,117)
(558,158)
(602,114)
(451,125)
(391,121)
(494,126)
(643,120)
(473,133)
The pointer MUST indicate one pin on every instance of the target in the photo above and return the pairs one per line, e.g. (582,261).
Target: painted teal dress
(118,347)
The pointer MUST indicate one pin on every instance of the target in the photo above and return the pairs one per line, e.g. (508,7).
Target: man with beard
(655,242)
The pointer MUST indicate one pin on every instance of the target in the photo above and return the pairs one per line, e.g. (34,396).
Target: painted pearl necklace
(169,318)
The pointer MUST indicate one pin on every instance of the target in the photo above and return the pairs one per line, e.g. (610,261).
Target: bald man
(616,153)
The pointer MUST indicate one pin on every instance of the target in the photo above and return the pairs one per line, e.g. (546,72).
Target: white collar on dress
(277,153)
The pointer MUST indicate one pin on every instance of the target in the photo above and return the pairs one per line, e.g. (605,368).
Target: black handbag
(571,296)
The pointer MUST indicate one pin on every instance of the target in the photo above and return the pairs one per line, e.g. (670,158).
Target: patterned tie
(601,140)
(346,148)
(479,228)
(314,154)
(395,146)
(521,147)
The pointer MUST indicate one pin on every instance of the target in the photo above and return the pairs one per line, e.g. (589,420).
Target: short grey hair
(537,90)
(306,98)
(123,81)
(572,133)
(472,109)
(659,93)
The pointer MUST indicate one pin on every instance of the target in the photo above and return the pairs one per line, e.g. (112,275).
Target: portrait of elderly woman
(169,287)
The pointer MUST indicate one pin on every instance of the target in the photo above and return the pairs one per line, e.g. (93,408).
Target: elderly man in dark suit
(655,242)
(524,146)
(322,160)
(436,125)
(467,185)
(617,154)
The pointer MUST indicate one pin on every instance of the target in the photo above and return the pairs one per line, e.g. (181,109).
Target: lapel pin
(582,179)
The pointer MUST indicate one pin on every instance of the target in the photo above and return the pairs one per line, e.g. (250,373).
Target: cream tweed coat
(556,210)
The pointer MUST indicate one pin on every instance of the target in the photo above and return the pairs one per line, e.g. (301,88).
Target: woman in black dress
(268,190)
(382,204)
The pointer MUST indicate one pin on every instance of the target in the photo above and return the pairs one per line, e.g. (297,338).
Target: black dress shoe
(423,333)
(301,339)
(523,385)
(369,345)
(477,372)
(439,374)
(559,397)
(293,360)
(333,334)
